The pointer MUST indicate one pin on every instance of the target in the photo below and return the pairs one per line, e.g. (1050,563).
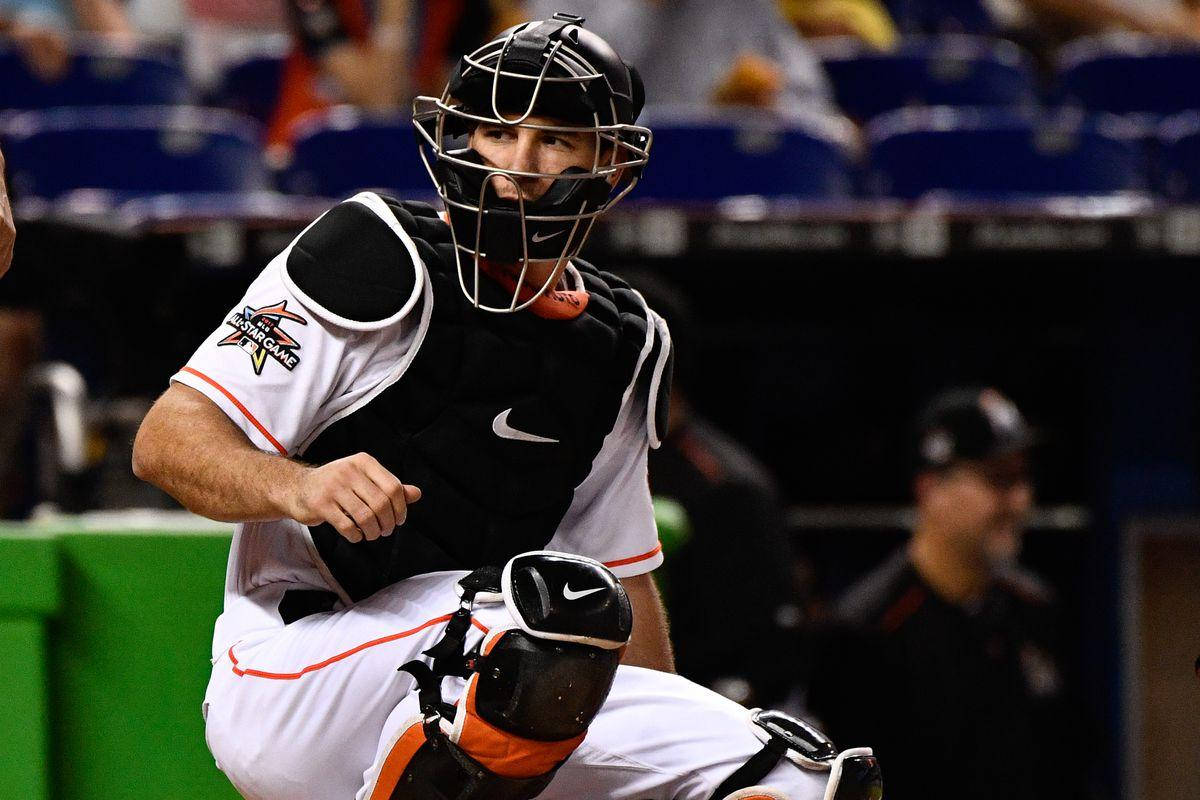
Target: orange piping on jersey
(291,676)
(246,412)
(622,562)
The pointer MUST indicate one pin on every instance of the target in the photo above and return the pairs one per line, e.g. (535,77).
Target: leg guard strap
(438,769)
(853,774)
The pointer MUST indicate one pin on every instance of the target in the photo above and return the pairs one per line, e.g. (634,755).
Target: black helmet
(550,68)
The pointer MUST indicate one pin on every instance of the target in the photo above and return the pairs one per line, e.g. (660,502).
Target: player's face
(982,506)
(528,150)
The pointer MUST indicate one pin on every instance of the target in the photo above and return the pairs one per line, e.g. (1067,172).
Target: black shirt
(958,702)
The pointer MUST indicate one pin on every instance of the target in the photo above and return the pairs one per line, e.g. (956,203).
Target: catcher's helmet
(549,68)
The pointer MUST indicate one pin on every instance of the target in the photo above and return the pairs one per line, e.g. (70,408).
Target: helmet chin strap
(550,304)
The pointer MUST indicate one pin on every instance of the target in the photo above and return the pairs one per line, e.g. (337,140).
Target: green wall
(104,646)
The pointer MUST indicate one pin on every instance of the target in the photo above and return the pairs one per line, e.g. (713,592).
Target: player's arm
(190,449)
(370,71)
(1097,15)
(220,438)
(650,645)
(103,16)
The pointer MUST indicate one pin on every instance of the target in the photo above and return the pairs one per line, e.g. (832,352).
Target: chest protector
(497,419)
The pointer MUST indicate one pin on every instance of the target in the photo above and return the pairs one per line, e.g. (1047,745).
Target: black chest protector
(497,419)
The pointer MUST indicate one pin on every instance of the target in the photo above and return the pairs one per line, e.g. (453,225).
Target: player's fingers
(360,512)
(391,486)
(411,493)
(379,503)
(342,522)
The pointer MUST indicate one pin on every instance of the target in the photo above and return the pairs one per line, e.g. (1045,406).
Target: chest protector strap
(532,690)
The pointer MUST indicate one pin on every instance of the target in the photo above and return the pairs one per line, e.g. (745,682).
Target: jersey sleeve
(283,366)
(611,517)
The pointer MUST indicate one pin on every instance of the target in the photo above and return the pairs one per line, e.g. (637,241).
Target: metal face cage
(568,206)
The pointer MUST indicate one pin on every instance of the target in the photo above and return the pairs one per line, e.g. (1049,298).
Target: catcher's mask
(553,69)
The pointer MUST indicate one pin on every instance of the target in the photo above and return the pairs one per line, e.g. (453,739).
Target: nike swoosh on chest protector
(501,428)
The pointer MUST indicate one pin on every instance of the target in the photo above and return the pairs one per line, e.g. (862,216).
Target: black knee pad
(531,690)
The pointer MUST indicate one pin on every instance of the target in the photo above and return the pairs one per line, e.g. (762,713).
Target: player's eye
(497,134)
(555,140)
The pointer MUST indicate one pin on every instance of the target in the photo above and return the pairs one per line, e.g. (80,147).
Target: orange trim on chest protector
(554,304)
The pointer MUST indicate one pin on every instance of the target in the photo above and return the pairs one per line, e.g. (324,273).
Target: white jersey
(283,369)
(313,710)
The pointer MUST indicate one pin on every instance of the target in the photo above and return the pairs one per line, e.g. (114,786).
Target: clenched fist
(355,495)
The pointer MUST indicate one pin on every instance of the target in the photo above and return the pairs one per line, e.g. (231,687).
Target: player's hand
(355,495)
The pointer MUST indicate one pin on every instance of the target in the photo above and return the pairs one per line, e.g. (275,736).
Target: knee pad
(532,691)
(853,774)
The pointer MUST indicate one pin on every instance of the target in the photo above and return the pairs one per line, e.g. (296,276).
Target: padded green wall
(104,646)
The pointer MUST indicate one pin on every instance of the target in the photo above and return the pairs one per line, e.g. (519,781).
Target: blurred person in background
(865,20)
(706,53)
(1043,25)
(20,338)
(210,34)
(953,638)
(722,524)
(41,29)
(376,55)
(1062,20)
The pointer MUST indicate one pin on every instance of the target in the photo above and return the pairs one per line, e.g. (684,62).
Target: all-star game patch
(258,332)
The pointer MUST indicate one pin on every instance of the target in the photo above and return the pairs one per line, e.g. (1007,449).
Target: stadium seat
(341,151)
(131,152)
(941,16)
(1129,73)
(251,85)
(1179,154)
(996,154)
(943,71)
(97,75)
(705,159)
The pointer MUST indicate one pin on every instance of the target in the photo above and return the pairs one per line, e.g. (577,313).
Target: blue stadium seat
(1179,156)
(97,75)
(251,85)
(132,151)
(1130,73)
(341,151)
(997,154)
(948,70)
(707,159)
(941,16)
